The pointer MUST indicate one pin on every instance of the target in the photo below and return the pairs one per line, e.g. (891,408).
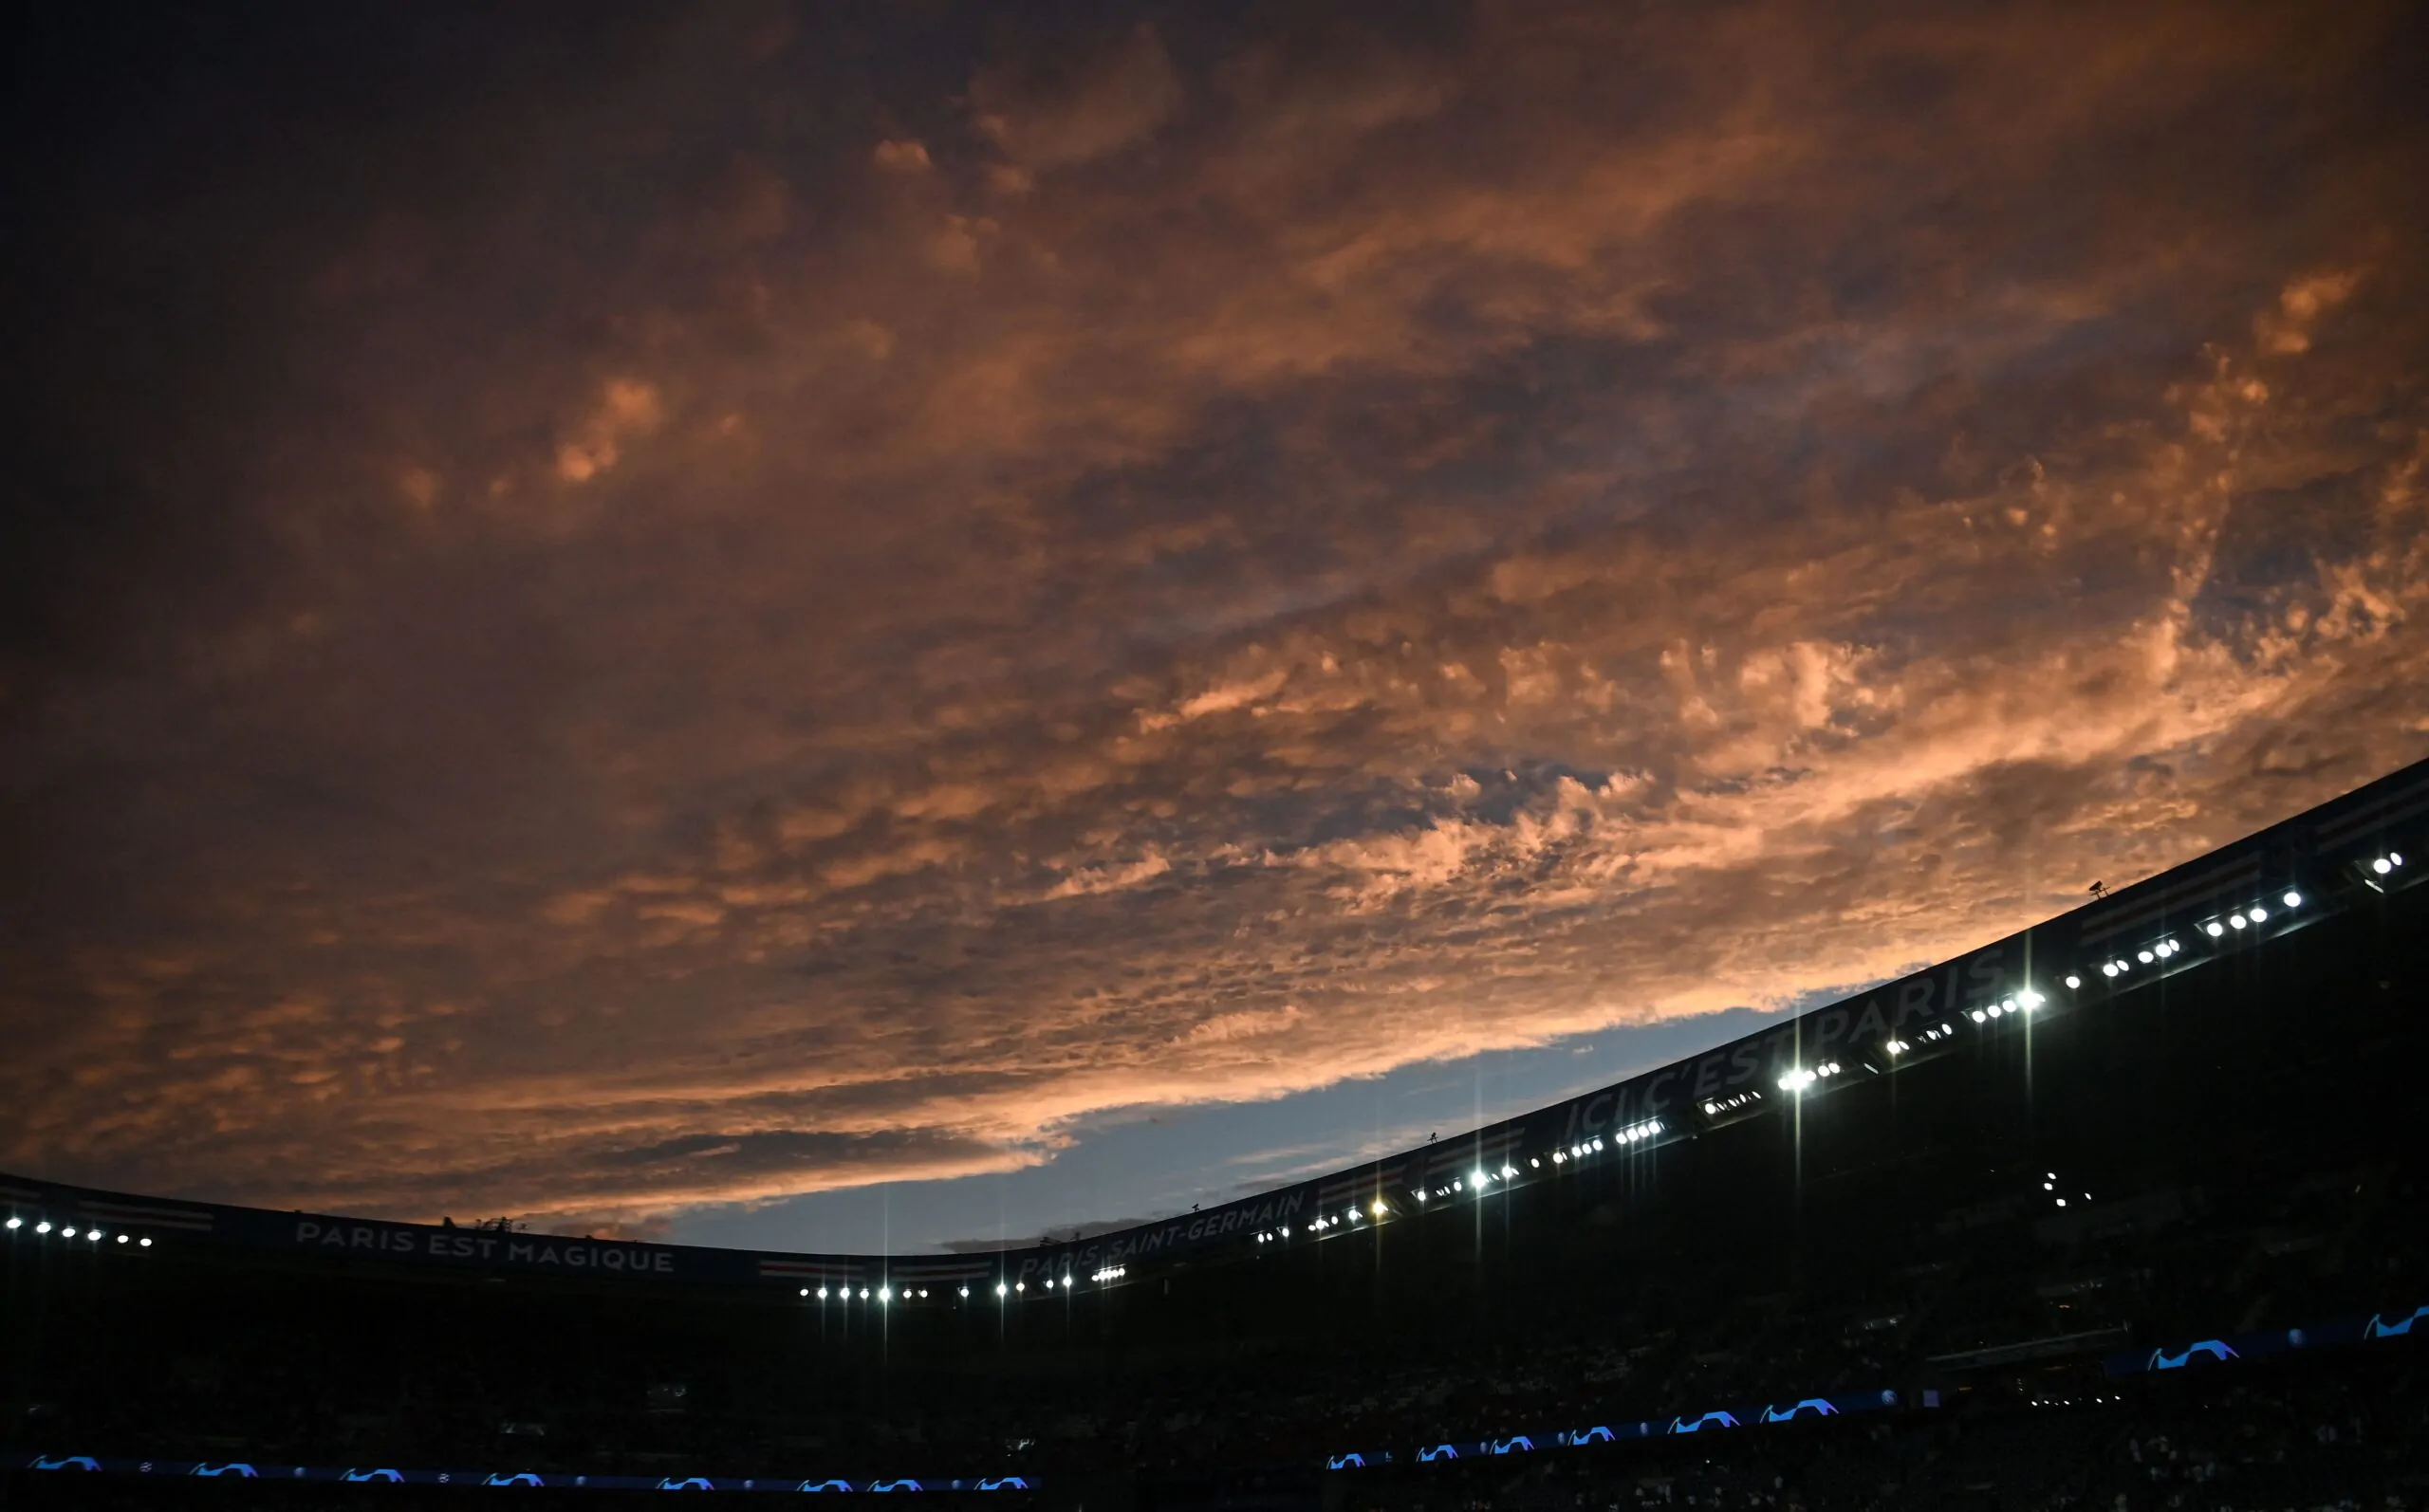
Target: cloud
(1367,549)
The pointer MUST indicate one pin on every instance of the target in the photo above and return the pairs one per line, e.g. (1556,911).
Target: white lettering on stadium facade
(451,1243)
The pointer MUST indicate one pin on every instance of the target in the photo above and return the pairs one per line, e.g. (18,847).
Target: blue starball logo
(2215,1349)
(829,1485)
(1516,1444)
(1347,1461)
(686,1483)
(386,1476)
(1814,1405)
(243,1472)
(518,1478)
(2382,1326)
(1680,1425)
(1440,1451)
(65,1462)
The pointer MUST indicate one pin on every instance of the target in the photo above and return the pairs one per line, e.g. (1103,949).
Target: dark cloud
(604,617)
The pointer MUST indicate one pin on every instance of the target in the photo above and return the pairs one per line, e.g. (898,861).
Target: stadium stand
(2151,1239)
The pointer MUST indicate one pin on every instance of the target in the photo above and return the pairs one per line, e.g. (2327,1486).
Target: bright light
(2215,928)
(1796,1079)
(16,1222)
(2394,858)
(805,1291)
(2382,866)
(2048,1185)
(92,1233)
(1420,1196)
(1020,1285)
(885,1294)
(2144,956)
(1050,1283)
(1002,1290)
(822,1294)
(2237,921)
(2259,915)
(2107,968)
(1508,1172)
(1978,1016)
(2074,981)
(2293,899)
(143,1243)
(1558,1157)
(864,1293)
(1479,1178)
(965,1292)
(68,1234)
(1379,1208)
(1534,1164)
(121,1239)
(1353,1214)
(2061,1202)
(2030,999)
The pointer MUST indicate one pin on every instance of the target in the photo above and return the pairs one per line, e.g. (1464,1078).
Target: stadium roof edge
(2111,944)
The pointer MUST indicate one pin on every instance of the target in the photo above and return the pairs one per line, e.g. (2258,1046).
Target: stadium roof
(2234,899)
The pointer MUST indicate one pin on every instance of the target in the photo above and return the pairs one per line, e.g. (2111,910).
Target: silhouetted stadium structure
(2125,1207)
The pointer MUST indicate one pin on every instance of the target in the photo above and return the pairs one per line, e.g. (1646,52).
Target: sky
(847,625)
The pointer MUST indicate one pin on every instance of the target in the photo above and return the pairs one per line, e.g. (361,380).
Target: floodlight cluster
(43,1228)
(1796,1079)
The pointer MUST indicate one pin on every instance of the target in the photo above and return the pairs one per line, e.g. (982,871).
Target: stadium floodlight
(1534,1163)
(2074,981)
(2107,968)
(2030,999)
(822,1294)
(1050,1283)
(1596,1141)
(1351,1213)
(965,1292)
(92,1233)
(1020,1285)
(16,1222)
(143,1243)
(1379,1208)
(2061,1202)
(1002,1290)
(2382,866)
(1978,1016)
(864,1293)
(2048,1185)
(2144,956)
(885,1294)
(2259,915)
(68,1234)
(1796,1079)
(2237,921)
(1420,1196)
(2214,928)
(805,1291)
(1558,1158)
(2292,898)
(1479,1178)
(121,1239)
(1508,1172)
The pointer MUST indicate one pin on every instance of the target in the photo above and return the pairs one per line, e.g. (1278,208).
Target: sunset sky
(837,625)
